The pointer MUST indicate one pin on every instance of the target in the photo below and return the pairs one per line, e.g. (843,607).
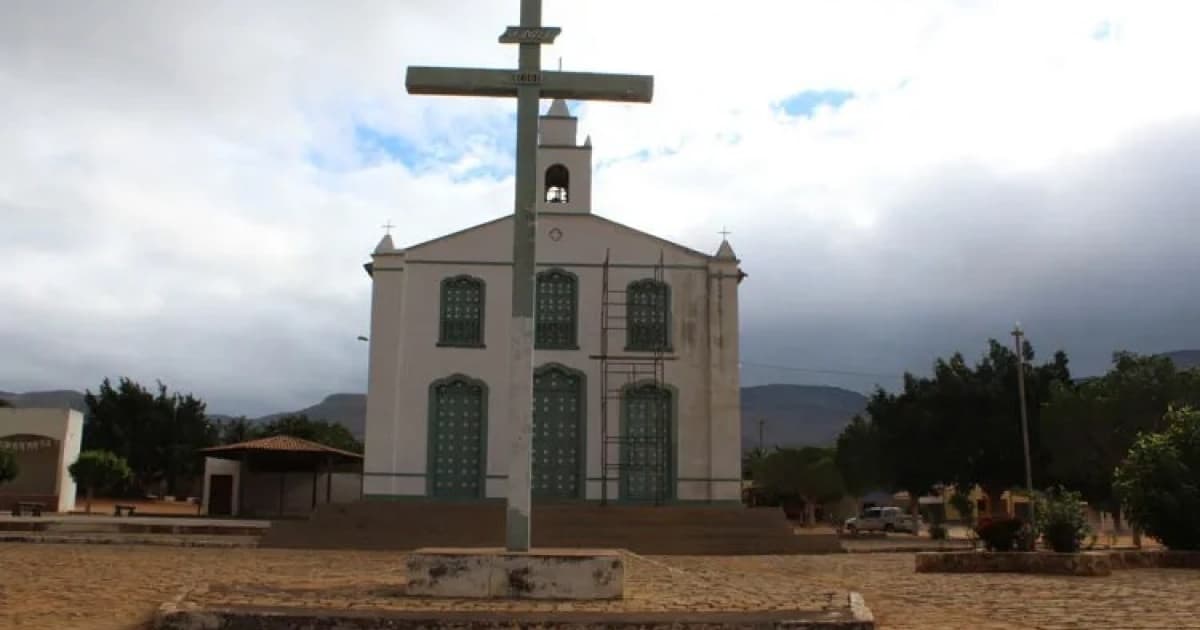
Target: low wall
(1138,559)
(1087,563)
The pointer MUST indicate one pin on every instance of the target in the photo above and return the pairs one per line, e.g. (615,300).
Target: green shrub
(998,534)
(1059,519)
(964,505)
(937,531)
(98,470)
(1026,538)
(8,466)
(1159,481)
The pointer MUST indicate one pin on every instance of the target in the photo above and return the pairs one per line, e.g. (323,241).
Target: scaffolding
(639,460)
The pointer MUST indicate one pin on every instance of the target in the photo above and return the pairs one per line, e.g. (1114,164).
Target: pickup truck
(883,519)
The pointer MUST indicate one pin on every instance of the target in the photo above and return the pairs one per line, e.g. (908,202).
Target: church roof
(589,216)
(725,251)
(559,108)
(385,245)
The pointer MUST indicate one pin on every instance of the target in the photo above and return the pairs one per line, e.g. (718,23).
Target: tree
(8,466)
(157,434)
(750,461)
(807,473)
(915,444)
(4,402)
(98,470)
(236,430)
(991,423)
(959,426)
(1089,427)
(1159,481)
(320,431)
(858,457)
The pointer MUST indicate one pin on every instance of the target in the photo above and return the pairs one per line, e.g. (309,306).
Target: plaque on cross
(528,84)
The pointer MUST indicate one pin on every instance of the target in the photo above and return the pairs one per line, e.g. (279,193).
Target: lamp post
(1018,337)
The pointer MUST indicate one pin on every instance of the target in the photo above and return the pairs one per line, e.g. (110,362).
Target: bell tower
(564,168)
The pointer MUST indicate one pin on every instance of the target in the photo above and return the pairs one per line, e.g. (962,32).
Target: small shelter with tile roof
(278,476)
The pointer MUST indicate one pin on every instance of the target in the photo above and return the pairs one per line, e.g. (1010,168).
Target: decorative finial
(387,227)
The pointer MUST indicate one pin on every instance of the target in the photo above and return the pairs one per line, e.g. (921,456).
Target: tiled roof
(281,443)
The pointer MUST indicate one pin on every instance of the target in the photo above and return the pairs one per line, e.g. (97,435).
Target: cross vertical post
(528,83)
(521,334)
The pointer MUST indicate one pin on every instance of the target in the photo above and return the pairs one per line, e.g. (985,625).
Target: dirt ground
(83,587)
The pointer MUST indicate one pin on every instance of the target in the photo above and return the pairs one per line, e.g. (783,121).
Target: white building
(636,388)
(45,443)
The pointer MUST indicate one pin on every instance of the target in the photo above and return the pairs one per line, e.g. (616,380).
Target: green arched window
(461,312)
(648,315)
(557,298)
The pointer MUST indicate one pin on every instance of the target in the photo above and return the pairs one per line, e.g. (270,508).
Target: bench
(28,507)
(127,509)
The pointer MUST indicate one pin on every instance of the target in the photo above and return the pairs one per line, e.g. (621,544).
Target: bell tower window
(558,182)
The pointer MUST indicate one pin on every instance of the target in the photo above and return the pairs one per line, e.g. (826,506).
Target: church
(636,384)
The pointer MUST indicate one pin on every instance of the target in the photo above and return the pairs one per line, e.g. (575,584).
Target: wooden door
(220,495)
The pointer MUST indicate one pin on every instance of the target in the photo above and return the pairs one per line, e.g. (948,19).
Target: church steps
(668,530)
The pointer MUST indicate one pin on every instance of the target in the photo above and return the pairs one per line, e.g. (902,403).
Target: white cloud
(165,217)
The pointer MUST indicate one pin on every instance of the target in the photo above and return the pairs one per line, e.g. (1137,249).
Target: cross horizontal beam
(579,86)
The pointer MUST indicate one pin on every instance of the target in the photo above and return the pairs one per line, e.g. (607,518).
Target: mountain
(55,398)
(349,410)
(797,415)
(794,414)
(1184,359)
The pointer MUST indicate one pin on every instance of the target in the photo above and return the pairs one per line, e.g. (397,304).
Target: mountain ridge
(791,415)
(795,414)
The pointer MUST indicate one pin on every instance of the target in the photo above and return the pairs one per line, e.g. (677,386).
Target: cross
(388,227)
(528,83)
(724,232)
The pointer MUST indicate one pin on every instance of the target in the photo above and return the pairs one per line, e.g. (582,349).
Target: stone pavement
(651,585)
(88,587)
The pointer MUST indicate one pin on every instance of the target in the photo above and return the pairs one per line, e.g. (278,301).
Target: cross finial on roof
(387,227)
(724,232)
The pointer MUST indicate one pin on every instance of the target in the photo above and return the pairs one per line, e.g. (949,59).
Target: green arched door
(558,430)
(458,408)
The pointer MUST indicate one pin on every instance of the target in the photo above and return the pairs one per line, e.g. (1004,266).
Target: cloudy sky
(188,189)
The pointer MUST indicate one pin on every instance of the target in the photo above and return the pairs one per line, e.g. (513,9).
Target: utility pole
(761,422)
(1018,339)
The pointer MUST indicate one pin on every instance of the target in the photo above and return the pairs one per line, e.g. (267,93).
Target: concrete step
(698,530)
(95,538)
(82,526)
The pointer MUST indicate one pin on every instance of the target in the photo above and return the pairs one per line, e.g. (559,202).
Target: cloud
(188,190)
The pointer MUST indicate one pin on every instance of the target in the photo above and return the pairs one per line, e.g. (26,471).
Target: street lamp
(362,338)
(1018,336)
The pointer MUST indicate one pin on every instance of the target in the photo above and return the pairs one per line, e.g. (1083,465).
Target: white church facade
(636,386)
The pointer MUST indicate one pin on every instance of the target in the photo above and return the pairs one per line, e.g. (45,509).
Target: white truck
(883,519)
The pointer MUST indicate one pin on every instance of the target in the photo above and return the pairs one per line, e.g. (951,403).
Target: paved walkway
(86,587)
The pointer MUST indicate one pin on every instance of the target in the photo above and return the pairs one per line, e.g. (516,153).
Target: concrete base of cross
(495,573)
